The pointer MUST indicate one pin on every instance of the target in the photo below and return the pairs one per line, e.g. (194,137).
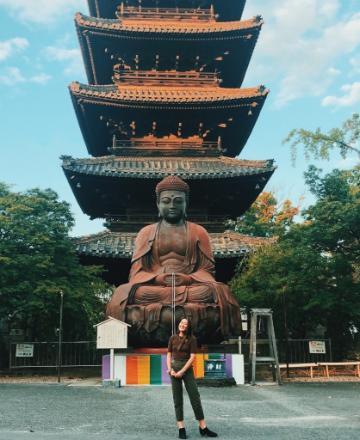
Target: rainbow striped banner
(150,369)
(145,369)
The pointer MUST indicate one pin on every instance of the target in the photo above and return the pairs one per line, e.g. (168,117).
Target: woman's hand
(179,374)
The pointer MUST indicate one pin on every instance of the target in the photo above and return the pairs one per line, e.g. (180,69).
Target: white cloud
(355,65)
(41,78)
(42,11)
(12,76)
(72,58)
(348,162)
(300,45)
(350,97)
(14,45)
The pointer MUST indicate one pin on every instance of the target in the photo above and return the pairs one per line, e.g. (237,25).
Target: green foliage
(312,271)
(318,144)
(266,217)
(37,261)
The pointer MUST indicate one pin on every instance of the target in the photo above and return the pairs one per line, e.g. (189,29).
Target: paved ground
(290,412)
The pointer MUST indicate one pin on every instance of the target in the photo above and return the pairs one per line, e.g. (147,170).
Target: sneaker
(207,433)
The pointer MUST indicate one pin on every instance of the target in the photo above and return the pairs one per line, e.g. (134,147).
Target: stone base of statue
(205,321)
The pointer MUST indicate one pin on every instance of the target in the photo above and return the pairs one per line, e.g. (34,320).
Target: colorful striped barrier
(150,369)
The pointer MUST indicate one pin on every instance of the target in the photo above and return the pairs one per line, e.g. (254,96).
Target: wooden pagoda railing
(133,222)
(165,77)
(143,13)
(136,218)
(166,146)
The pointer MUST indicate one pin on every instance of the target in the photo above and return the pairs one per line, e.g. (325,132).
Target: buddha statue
(172,264)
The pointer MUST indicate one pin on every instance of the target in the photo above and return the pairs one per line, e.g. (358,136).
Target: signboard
(215,368)
(24,350)
(317,347)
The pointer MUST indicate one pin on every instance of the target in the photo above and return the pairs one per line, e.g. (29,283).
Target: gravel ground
(293,411)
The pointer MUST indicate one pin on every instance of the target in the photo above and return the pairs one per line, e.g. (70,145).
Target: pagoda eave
(112,187)
(120,245)
(113,251)
(176,27)
(227,10)
(225,47)
(103,111)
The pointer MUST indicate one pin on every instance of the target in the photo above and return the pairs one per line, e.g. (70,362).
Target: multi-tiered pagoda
(164,97)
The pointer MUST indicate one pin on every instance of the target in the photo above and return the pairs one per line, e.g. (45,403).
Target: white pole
(173,300)
(111,364)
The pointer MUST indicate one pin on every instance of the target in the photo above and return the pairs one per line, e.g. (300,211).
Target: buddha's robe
(204,290)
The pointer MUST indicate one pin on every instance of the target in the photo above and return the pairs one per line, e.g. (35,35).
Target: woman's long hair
(188,332)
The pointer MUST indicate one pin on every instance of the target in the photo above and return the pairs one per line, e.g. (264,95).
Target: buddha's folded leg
(200,293)
(152,294)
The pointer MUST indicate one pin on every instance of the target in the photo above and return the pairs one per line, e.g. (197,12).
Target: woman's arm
(168,361)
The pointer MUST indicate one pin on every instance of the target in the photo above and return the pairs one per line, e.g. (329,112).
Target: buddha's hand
(181,279)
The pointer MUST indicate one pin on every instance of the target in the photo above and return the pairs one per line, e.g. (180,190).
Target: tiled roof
(158,167)
(165,94)
(121,244)
(165,26)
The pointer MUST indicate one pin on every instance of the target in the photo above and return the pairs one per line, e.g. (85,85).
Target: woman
(180,357)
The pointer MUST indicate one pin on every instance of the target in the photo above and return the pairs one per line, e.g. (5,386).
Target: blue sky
(307,54)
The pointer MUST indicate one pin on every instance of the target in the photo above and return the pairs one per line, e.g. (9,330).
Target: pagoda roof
(114,186)
(225,9)
(170,95)
(120,245)
(167,26)
(131,111)
(160,167)
(225,47)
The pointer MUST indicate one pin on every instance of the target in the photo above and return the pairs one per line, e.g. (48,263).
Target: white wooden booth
(112,333)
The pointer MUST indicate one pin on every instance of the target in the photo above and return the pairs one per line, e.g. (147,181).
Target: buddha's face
(172,206)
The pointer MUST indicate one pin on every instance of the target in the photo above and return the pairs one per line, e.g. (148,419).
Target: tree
(335,218)
(319,144)
(266,217)
(37,261)
(311,272)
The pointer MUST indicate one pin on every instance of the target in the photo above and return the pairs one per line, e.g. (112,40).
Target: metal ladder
(253,358)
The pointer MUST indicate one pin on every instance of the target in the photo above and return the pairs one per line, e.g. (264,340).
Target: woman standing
(180,357)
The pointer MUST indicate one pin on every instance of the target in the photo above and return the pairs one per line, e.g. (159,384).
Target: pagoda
(164,97)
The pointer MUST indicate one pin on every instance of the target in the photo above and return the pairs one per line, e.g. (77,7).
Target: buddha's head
(172,195)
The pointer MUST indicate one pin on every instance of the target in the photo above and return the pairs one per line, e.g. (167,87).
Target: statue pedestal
(148,367)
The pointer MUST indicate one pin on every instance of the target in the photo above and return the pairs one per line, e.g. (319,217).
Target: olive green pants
(191,388)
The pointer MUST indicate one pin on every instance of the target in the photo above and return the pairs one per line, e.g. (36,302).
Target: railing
(143,219)
(167,78)
(45,355)
(85,354)
(188,14)
(293,350)
(298,351)
(161,144)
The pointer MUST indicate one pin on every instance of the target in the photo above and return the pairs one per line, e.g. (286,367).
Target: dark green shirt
(181,348)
